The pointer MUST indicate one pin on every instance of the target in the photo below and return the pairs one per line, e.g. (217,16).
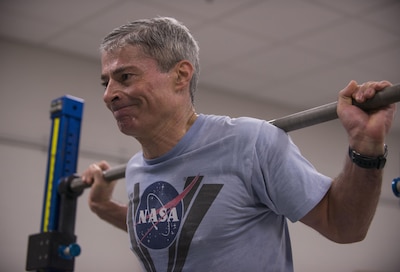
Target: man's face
(137,93)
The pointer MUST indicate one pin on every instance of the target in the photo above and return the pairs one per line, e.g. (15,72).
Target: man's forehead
(125,58)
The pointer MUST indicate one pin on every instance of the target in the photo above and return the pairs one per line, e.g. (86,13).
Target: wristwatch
(368,162)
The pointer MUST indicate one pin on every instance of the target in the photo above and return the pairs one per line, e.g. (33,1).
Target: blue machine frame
(66,114)
(54,248)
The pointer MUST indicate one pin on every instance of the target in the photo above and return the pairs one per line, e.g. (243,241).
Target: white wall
(31,77)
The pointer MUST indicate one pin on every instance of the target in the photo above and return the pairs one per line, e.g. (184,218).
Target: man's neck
(165,140)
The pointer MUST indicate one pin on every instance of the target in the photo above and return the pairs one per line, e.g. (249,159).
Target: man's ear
(184,72)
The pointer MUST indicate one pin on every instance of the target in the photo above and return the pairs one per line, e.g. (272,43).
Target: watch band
(368,162)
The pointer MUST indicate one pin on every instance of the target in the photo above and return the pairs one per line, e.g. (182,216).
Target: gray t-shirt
(218,201)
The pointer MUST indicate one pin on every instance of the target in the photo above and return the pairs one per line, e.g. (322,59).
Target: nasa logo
(158,216)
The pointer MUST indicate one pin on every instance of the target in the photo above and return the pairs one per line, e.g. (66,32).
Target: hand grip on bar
(111,174)
(299,120)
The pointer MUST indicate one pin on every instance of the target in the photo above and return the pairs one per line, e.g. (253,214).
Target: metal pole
(327,112)
(288,123)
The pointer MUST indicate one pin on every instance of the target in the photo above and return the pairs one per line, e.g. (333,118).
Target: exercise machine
(55,248)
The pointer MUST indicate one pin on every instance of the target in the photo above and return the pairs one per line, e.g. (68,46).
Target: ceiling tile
(129,11)
(39,20)
(218,45)
(348,39)
(281,19)
(353,7)
(279,63)
(86,37)
(207,9)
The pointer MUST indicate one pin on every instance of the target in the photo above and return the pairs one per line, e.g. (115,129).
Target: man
(212,193)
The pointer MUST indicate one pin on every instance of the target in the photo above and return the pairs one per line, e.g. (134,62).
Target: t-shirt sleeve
(283,179)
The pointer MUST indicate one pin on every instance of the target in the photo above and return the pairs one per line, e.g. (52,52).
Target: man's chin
(125,128)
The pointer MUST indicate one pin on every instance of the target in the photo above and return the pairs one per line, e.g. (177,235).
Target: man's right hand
(101,190)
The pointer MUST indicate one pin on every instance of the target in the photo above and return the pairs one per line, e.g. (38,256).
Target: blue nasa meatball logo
(158,216)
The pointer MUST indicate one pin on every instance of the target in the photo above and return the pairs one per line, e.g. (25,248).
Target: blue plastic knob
(70,251)
(395,186)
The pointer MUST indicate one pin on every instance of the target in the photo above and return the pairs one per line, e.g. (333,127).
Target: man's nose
(111,93)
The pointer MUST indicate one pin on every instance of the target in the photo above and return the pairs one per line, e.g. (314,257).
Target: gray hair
(164,39)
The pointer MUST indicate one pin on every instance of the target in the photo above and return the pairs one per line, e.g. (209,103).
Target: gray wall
(31,77)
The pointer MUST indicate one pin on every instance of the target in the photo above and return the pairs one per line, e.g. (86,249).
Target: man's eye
(125,77)
(104,84)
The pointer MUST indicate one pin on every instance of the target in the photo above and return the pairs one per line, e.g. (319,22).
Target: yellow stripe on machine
(54,141)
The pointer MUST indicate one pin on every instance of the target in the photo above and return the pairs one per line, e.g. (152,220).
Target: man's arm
(111,212)
(346,211)
(100,197)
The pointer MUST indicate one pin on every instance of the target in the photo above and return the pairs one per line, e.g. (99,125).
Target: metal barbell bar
(327,112)
(295,121)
